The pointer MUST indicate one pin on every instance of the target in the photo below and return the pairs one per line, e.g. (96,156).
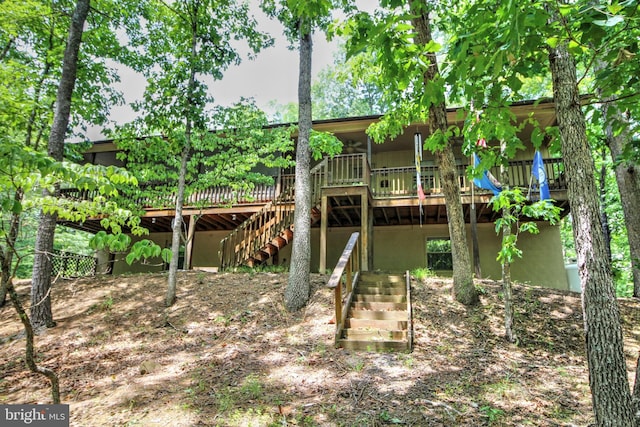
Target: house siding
(400,248)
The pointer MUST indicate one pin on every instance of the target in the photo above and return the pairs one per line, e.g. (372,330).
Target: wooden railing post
(349,275)
(345,266)
(338,303)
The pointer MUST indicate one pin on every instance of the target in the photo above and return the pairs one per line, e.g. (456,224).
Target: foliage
(388,39)
(422,273)
(230,156)
(518,208)
(178,144)
(619,243)
(32,37)
(492,414)
(347,88)
(324,143)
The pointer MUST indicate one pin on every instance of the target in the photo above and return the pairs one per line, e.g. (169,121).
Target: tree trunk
(297,293)
(29,348)
(7,254)
(507,287)
(606,230)
(608,380)
(176,238)
(41,314)
(465,291)
(506,284)
(178,221)
(473,217)
(635,394)
(628,178)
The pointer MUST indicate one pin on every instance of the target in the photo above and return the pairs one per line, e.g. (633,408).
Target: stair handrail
(267,223)
(348,265)
(407,276)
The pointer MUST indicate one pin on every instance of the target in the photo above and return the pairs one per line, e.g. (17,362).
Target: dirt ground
(233,356)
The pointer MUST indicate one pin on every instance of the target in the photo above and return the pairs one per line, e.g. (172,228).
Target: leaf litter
(229,354)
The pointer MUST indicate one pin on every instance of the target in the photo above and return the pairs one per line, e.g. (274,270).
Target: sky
(271,76)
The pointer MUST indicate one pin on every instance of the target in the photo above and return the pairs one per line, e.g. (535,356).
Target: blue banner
(487,181)
(539,172)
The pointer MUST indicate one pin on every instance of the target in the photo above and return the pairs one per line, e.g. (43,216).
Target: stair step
(381,279)
(379,298)
(378,315)
(382,324)
(381,306)
(369,284)
(373,334)
(380,290)
(397,345)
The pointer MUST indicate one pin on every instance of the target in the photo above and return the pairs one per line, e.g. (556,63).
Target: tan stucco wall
(401,248)
(397,249)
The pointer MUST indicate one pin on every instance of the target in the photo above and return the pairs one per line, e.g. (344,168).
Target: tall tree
(41,314)
(183,44)
(519,34)
(30,32)
(347,88)
(605,353)
(297,292)
(464,288)
(612,35)
(399,38)
(628,179)
(300,18)
(29,61)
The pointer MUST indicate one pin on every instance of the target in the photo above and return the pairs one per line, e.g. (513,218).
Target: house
(371,188)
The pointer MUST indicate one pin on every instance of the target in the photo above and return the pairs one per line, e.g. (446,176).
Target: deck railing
(273,219)
(349,169)
(257,230)
(212,196)
(401,181)
(346,170)
(343,280)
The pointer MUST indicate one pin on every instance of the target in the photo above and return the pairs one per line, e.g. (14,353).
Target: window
(439,254)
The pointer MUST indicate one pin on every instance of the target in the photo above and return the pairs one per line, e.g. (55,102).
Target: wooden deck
(391,193)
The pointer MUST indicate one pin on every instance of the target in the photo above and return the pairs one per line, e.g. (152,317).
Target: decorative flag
(488,181)
(539,172)
(417,138)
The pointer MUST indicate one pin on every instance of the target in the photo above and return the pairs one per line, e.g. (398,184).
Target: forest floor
(231,355)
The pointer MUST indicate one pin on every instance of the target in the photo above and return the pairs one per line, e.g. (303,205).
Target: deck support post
(324,222)
(365,230)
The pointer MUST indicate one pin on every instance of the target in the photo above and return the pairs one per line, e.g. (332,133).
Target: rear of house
(371,188)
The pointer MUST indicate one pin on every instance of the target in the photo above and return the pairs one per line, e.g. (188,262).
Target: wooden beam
(324,222)
(250,209)
(365,235)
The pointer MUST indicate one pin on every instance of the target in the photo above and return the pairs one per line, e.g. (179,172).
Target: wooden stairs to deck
(282,239)
(266,232)
(379,315)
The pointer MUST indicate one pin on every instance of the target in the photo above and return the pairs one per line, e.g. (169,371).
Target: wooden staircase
(270,229)
(378,317)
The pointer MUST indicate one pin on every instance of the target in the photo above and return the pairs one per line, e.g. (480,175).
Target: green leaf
(131,258)
(614,8)
(166,255)
(553,41)
(565,9)
(610,22)
(433,47)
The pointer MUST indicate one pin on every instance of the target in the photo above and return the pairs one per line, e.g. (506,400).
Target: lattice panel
(69,265)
